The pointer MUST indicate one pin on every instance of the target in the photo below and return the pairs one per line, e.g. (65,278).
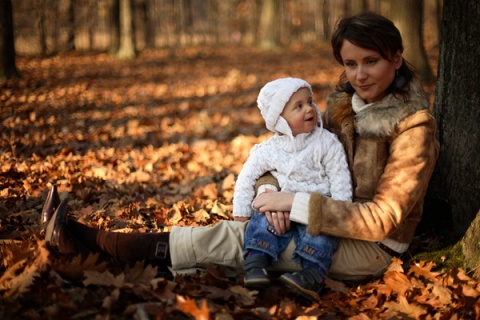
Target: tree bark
(456,179)
(408,17)
(8,70)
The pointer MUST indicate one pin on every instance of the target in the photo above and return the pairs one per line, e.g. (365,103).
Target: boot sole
(256,283)
(51,204)
(51,235)
(298,289)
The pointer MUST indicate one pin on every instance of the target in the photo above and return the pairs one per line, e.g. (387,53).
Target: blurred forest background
(44,27)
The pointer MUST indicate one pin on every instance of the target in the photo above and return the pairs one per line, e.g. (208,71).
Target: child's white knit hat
(272,99)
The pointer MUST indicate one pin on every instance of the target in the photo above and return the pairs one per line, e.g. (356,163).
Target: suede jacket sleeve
(397,204)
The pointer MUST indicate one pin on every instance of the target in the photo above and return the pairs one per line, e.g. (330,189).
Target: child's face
(300,113)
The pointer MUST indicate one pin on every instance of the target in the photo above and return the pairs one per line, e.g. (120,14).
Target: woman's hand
(241,219)
(279,220)
(273,201)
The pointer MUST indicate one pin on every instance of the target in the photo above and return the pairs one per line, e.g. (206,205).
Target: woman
(380,115)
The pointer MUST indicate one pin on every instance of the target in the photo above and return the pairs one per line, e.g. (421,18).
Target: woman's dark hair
(370,30)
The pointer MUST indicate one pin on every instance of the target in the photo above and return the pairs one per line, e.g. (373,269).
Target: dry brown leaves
(142,146)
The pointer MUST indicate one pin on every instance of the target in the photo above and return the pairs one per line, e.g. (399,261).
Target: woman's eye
(349,64)
(372,61)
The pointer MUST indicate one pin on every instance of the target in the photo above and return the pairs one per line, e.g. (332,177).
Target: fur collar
(380,119)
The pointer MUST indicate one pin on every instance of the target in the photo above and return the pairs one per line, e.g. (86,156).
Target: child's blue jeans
(308,249)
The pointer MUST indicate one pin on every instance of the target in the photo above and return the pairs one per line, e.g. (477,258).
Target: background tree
(70,43)
(8,70)
(456,108)
(408,17)
(354,6)
(148,26)
(432,22)
(267,26)
(40,25)
(327,30)
(114,15)
(127,49)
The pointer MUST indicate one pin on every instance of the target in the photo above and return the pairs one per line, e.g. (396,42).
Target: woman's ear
(398,59)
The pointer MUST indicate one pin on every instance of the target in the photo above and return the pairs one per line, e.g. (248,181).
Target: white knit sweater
(313,162)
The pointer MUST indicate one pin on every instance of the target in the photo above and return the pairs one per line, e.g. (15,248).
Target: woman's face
(368,72)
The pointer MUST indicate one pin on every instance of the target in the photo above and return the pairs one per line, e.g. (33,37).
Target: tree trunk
(114,26)
(471,247)
(70,43)
(42,37)
(359,6)
(149,27)
(127,45)
(266,29)
(91,22)
(8,70)
(327,31)
(223,21)
(432,16)
(354,6)
(56,27)
(408,17)
(457,100)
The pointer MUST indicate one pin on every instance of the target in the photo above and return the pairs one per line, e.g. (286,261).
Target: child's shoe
(256,275)
(308,283)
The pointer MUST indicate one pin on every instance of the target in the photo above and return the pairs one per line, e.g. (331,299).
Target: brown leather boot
(51,204)
(67,236)
(57,236)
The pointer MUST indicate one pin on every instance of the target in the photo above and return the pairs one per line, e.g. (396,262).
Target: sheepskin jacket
(313,162)
(391,151)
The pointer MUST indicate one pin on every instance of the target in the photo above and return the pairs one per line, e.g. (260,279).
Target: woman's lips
(365,87)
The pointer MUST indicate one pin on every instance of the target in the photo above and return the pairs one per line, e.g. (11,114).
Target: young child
(303,157)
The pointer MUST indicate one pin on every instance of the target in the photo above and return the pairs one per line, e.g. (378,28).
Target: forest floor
(144,145)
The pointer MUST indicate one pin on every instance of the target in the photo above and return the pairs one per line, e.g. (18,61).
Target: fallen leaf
(105,278)
(402,310)
(189,306)
(398,282)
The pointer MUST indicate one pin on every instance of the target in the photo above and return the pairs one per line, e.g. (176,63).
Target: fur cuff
(315,216)
(267,178)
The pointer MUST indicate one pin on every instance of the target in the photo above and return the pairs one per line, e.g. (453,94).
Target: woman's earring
(399,81)
(347,87)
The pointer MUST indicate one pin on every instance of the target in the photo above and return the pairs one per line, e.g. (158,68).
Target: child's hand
(241,219)
(279,220)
